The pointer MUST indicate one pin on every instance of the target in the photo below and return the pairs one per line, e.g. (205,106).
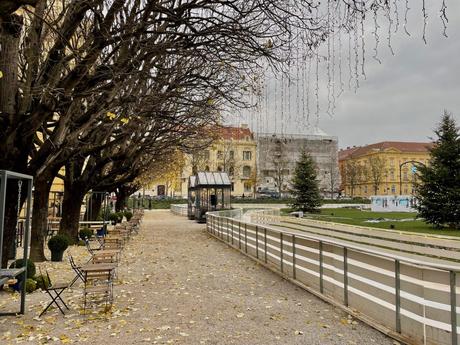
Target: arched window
(246,171)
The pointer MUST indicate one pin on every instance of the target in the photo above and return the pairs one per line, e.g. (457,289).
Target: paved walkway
(181,286)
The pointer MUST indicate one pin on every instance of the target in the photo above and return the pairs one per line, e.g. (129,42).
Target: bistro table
(113,242)
(98,279)
(106,256)
(11,275)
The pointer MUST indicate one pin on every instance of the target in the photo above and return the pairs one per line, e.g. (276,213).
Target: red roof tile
(235,133)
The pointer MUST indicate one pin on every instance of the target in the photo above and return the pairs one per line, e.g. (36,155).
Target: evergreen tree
(305,185)
(438,190)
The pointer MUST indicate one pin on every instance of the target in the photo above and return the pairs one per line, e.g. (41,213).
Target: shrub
(128,215)
(81,243)
(31,285)
(31,271)
(113,217)
(42,281)
(85,233)
(58,243)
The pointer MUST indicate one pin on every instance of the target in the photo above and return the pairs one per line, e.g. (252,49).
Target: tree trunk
(74,193)
(122,197)
(39,218)
(92,212)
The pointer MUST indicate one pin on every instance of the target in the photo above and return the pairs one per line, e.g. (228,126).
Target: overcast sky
(403,98)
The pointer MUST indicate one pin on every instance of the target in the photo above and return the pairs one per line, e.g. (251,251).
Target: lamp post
(400,172)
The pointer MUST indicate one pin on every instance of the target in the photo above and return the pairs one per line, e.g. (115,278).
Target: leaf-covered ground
(178,285)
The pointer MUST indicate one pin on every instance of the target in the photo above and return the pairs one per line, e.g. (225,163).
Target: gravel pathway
(178,285)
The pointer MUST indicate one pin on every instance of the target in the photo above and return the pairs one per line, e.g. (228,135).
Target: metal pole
(294,273)
(453,307)
(232,232)
(228,235)
(398,296)
(26,242)
(245,238)
(265,244)
(281,251)
(2,207)
(400,178)
(321,287)
(257,242)
(239,235)
(345,276)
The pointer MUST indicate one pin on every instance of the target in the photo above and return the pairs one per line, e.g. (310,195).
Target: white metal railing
(411,300)
(179,209)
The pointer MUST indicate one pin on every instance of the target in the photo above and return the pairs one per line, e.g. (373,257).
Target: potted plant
(57,245)
(86,233)
(128,215)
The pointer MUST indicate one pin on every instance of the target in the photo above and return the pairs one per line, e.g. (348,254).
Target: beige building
(385,168)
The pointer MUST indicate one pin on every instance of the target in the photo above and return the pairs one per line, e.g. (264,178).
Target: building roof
(402,146)
(235,133)
(345,153)
(206,178)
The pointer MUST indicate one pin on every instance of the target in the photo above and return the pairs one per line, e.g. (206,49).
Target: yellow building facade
(386,168)
(234,152)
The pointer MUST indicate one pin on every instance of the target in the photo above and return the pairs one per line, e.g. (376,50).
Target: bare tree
(376,171)
(352,175)
(280,165)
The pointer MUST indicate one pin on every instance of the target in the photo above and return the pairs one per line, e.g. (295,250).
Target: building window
(247,155)
(220,155)
(219,169)
(247,187)
(206,168)
(233,187)
(392,175)
(393,189)
(206,154)
(231,171)
(246,171)
(405,176)
(365,189)
(232,154)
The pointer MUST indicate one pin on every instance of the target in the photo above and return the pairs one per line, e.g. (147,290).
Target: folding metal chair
(54,291)
(90,249)
(79,273)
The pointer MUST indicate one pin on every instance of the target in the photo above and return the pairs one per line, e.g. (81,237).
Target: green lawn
(357,217)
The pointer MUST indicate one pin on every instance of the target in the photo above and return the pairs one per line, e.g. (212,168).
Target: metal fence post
(232,232)
(281,251)
(453,307)
(239,235)
(245,238)
(257,242)
(293,258)
(398,296)
(345,276)
(321,286)
(265,245)
(228,235)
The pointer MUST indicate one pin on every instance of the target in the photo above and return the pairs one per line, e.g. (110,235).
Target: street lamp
(400,172)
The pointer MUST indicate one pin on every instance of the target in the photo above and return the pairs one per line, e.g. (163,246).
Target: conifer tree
(438,191)
(305,187)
